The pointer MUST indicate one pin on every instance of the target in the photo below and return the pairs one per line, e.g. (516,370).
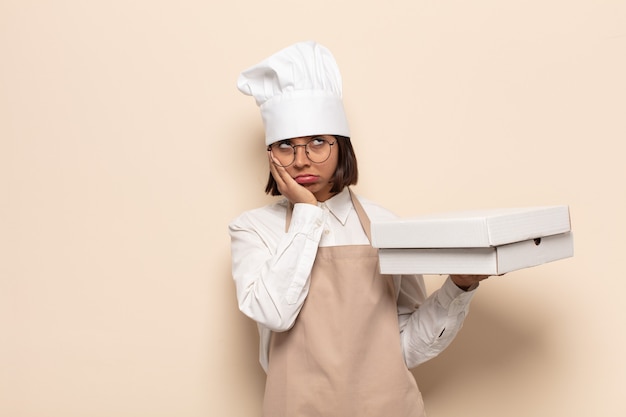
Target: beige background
(125,150)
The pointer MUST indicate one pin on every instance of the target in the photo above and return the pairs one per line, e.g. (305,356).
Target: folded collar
(339,205)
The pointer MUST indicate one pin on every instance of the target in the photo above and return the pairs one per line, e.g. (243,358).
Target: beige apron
(343,357)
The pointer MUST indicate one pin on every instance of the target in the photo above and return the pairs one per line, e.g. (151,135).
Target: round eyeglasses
(317,150)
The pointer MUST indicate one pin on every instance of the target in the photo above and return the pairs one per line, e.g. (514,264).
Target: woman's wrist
(466,282)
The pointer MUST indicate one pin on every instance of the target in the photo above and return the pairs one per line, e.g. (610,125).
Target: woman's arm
(272,273)
(428,325)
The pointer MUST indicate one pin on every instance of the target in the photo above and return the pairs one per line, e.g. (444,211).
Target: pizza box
(493,260)
(468,229)
(483,242)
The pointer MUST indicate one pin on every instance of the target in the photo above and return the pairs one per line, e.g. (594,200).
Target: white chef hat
(298,91)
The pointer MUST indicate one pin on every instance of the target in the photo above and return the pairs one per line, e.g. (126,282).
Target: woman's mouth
(306,179)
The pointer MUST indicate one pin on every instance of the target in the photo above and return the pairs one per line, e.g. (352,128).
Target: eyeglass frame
(306,152)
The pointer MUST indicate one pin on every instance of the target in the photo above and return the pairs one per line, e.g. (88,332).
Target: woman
(337,338)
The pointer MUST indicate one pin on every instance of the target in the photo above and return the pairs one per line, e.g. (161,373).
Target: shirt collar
(339,205)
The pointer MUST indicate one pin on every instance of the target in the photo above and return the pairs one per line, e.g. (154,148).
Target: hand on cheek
(287,186)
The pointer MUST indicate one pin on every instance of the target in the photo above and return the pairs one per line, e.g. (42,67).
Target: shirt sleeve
(428,325)
(272,277)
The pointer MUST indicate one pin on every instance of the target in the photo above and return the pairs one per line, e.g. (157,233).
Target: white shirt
(271,269)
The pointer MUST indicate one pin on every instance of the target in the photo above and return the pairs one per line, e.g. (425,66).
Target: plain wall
(125,150)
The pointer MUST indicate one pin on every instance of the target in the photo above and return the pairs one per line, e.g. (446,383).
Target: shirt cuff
(453,298)
(307,219)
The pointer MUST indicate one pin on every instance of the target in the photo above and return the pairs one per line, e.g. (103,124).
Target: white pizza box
(492,260)
(471,229)
(484,242)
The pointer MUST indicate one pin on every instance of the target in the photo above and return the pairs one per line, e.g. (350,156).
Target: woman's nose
(300,158)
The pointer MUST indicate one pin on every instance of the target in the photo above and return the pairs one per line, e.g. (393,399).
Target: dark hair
(347,172)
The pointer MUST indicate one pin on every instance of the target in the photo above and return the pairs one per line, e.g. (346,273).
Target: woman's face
(316,177)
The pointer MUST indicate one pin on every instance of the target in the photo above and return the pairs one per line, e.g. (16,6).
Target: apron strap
(365,221)
(363,218)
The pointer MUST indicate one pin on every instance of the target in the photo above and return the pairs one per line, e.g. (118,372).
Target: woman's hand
(464,282)
(287,186)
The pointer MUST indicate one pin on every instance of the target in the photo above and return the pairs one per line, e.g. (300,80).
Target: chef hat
(298,91)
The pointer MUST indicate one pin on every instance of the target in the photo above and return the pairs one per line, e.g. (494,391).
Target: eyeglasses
(317,150)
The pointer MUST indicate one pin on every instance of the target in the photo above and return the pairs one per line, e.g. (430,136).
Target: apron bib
(342,357)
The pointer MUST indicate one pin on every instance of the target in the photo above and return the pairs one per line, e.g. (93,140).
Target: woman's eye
(317,141)
(284,146)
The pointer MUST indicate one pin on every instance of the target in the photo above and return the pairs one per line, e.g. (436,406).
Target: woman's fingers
(278,172)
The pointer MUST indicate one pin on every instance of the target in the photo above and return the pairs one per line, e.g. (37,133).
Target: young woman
(337,338)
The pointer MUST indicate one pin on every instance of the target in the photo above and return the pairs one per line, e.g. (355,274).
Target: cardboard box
(469,229)
(477,261)
(487,242)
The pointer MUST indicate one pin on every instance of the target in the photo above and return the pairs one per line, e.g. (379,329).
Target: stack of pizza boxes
(481,242)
